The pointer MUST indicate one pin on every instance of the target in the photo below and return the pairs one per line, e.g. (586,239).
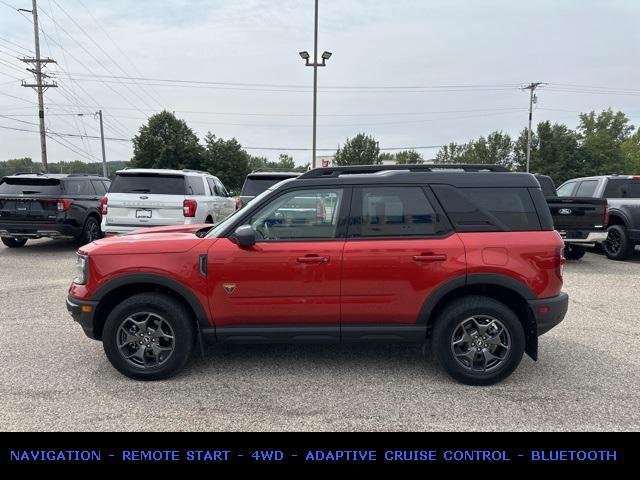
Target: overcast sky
(259,90)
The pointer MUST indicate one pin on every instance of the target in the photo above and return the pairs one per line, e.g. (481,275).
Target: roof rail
(195,171)
(434,167)
(83,175)
(275,170)
(27,173)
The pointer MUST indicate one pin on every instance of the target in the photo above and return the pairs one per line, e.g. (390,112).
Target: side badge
(229,287)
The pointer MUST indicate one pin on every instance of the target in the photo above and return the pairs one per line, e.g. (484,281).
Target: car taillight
(606,216)
(189,208)
(64,204)
(561,262)
(103,206)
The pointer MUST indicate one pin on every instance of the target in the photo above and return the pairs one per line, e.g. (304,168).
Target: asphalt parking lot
(54,378)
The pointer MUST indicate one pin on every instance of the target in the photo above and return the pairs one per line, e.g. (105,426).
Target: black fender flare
(616,212)
(155,279)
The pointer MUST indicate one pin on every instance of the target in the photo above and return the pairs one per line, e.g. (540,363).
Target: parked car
(622,193)
(153,197)
(259,181)
(468,259)
(581,221)
(50,206)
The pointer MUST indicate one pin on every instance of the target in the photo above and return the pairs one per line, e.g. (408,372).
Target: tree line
(602,143)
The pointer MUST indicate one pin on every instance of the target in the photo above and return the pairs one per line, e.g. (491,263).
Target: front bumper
(549,312)
(83,312)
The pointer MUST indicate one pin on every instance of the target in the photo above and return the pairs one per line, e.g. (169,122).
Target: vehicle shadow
(44,245)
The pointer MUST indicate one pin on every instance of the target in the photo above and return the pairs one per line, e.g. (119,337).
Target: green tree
(359,150)
(496,148)
(167,142)
(601,138)
(17,165)
(452,153)
(408,157)
(227,160)
(631,154)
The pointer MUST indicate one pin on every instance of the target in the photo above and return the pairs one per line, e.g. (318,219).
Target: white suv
(142,197)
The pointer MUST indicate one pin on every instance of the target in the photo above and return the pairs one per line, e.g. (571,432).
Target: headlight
(82,270)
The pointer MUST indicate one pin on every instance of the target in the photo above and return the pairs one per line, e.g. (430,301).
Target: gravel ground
(54,378)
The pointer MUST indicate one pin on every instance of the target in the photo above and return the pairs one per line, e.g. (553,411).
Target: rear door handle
(429,258)
(313,259)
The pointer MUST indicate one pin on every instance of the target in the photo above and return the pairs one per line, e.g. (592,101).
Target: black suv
(36,205)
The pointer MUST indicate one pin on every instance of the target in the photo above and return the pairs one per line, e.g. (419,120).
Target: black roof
(455,175)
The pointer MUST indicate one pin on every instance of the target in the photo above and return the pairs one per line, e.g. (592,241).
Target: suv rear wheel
(14,242)
(148,336)
(574,252)
(617,246)
(478,340)
(90,233)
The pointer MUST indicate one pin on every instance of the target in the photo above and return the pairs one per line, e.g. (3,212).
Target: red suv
(463,256)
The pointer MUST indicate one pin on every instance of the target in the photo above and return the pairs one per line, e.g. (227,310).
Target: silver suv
(141,198)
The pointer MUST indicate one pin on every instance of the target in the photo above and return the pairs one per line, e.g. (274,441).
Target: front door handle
(313,259)
(429,258)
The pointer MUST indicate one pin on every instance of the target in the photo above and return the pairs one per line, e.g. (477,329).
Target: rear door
(29,200)
(227,203)
(400,247)
(146,200)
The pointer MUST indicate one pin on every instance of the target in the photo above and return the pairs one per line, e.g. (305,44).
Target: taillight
(189,208)
(64,204)
(103,206)
(606,215)
(561,262)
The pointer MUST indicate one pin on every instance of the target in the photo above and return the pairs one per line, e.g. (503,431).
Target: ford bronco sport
(463,256)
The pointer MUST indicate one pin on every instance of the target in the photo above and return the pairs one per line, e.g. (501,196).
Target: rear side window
(587,188)
(195,186)
(623,188)
(146,183)
(222,191)
(78,187)
(488,209)
(99,187)
(30,186)
(254,186)
(394,212)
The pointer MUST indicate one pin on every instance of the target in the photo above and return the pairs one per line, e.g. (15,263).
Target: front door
(400,248)
(291,276)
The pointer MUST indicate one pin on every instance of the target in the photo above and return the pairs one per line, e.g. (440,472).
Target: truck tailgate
(577,213)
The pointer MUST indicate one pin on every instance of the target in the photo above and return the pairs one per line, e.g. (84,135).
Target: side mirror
(245,236)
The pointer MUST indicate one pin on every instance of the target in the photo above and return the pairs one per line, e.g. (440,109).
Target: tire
(618,246)
(574,252)
(209,220)
(465,363)
(14,242)
(90,232)
(158,358)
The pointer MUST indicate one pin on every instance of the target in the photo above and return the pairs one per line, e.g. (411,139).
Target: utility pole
(39,86)
(532,88)
(305,56)
(104,156)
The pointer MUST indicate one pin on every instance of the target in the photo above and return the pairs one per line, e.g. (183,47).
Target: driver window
(301,214)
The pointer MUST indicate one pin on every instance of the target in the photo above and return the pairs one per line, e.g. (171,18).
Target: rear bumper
(634,234)
(38,230)
(584,238)
(83,312)
(549,312)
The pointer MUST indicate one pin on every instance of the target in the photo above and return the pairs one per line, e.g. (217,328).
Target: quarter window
(300,215)
(393,212)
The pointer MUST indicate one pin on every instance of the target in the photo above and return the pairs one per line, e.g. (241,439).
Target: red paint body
(325,282)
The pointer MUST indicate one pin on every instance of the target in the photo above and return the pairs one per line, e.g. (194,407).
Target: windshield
(148,183)
(30,186)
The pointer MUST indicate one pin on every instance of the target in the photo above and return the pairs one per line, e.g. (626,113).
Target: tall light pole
(306,57)
(532,88)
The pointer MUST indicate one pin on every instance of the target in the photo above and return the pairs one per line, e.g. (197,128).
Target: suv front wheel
(478,340)
(148,336)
